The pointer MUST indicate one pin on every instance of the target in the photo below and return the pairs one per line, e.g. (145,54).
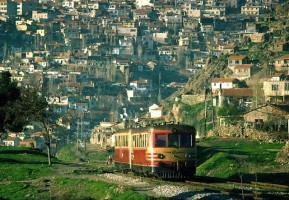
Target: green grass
(18,172)
(220,157)
(23,164)
(220,165)
(25,174)
(68,188)
(100,156)
(68,153)
(90,189)
(22,190)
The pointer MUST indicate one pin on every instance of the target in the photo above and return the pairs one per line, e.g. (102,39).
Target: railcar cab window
(160,140)
(186,140)
(179,140)
(173,140)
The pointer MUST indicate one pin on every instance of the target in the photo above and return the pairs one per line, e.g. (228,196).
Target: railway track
(236,188)
(228,187)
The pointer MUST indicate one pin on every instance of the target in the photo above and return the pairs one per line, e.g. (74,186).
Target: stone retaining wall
(236,131)
(283,155)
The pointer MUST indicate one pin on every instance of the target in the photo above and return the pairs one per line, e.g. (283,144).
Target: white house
(155,111)
(12,141)
(223,83)
(141,85)
(141,3)
(68,4)
(130,94)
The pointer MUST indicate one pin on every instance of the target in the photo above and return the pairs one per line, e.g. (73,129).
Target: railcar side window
(133,140)
(145,140)
(160,140)
(140,140)
(148,140)
(186,140)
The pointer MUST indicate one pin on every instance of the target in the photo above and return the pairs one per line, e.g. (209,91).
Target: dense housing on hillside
(112,60)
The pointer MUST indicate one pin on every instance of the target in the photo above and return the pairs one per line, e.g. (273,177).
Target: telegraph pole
(77,134)
(83,136)
(205,126)
(81,122)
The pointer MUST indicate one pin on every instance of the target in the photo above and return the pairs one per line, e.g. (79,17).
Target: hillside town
(101,62)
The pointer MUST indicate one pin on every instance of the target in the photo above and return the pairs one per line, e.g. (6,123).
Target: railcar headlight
(161,156)
(189,155)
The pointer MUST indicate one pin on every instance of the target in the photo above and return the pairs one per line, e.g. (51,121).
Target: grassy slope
(24,174)
(220,157)
(23,164)
(69,153)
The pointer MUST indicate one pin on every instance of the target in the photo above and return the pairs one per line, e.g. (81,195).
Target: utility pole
(212,106)
(81,122)
(256,103)
(205,126)
(77,134)
(83,136)
(159,94)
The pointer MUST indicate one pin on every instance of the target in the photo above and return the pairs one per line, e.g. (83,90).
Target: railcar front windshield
(186,140)
(173,140)
(160,140)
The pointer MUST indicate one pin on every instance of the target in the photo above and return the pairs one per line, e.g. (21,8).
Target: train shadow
(199,195)
(15,161)
(273,178)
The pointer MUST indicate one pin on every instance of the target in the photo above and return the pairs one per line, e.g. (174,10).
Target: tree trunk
(48,153)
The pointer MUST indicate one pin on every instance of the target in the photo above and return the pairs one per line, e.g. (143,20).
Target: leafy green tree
(230,112)
(19,107)
(32,107)
(9,93)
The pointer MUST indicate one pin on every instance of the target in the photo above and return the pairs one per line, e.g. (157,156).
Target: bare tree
(33,108)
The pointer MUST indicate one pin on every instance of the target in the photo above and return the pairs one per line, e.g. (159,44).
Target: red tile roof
(274,75)
(11,138)
(285,57)
(229,46)
(237,92)
(244,66)
(222,80)
(236,57)
(26,142)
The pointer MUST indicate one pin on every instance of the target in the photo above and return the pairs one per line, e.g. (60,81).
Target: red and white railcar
(166,151)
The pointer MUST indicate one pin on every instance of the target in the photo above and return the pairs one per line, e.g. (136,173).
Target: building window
(286,87)
(274,87)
